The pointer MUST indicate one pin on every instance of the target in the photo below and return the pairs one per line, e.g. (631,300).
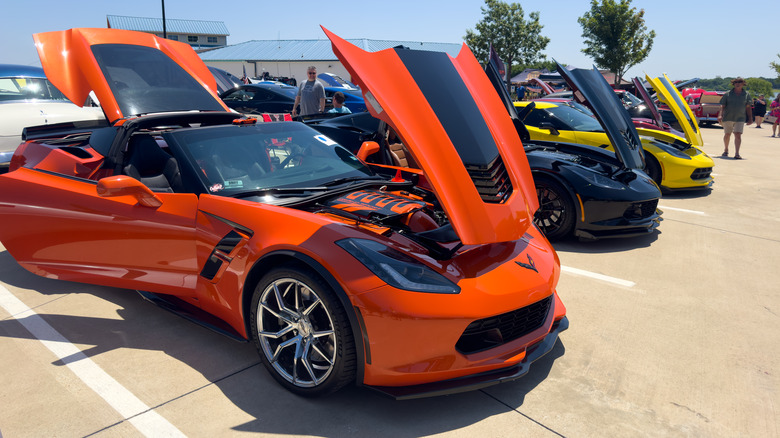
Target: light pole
(165,34)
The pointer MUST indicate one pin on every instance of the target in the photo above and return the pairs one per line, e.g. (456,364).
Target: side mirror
(367,149)
(123,185)
(548,125)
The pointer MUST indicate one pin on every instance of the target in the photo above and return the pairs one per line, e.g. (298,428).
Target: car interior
(151,165)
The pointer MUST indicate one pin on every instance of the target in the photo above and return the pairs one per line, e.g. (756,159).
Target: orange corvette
(429,282)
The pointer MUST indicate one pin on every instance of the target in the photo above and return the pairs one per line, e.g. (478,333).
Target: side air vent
(492,181)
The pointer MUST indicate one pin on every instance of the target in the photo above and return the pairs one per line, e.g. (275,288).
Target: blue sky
(692,37)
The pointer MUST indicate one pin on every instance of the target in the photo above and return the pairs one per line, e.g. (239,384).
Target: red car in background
(704,104)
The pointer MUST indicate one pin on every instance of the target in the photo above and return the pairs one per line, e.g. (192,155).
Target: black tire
(556,213)
(653,169)
(306,342)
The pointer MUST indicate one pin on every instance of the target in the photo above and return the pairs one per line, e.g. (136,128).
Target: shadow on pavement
(235,369)
(607,245)
(686,194)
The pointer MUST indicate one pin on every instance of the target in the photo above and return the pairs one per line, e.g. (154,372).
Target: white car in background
(27,98)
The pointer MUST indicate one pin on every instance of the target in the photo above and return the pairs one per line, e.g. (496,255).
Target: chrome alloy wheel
(296,332)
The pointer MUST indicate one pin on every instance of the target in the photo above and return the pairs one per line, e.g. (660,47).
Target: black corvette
(583,191)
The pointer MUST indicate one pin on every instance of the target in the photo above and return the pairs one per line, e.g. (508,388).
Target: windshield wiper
(279,190)
(302,190)
(338,181)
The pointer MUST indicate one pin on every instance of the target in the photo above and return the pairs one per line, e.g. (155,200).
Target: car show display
(673,162)
(583,190)
(432,281)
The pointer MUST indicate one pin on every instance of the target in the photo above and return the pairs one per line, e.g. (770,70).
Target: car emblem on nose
(530,265)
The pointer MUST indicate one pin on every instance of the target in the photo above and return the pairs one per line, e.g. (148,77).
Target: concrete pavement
(686,345)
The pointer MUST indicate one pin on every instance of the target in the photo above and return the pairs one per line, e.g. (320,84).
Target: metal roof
(172,25)
(311,50)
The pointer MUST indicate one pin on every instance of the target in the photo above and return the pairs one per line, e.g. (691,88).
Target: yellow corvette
(672,162)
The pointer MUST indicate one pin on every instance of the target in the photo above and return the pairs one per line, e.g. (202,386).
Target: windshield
(336,81)
(563,117)
(145,80)
(580,107)
(629,100)
(236,160)
(29,88)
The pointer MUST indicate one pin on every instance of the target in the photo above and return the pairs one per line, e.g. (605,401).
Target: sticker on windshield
(234,184)
(325,140)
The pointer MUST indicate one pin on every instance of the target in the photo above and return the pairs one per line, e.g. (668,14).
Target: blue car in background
(354,102)
(333,83)
(334,80)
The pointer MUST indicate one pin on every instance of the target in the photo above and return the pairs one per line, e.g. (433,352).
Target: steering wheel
(289,158)
(295,152)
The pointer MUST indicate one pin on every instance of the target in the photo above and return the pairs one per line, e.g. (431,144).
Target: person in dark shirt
(759,110)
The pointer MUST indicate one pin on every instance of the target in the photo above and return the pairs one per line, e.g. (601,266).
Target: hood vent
(492,181)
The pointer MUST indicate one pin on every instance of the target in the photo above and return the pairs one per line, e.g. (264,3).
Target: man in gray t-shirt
(311,95)
(735,113)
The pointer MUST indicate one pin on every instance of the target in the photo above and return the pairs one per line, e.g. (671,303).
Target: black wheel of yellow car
(653,169)
(302,332)
(556,214)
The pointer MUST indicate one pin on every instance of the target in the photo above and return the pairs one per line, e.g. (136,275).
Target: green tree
(758,86)
(515,39)
(615,35)
(538,65)
(776,66)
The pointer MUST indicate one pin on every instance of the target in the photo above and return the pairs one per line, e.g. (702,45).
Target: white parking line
(700,213)
(147,421)
(601,277)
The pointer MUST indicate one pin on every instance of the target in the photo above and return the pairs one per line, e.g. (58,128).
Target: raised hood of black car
(590,88)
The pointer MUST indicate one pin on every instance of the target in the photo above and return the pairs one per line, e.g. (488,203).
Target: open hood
(670,95)
(131,73)
(457,129)
(546,88)
(682,84)
(590,88)
(645,96)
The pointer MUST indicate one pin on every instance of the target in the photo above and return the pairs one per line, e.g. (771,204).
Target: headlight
(600,180)
(397,269)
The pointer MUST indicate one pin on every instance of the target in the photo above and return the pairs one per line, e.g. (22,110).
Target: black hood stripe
(451,101)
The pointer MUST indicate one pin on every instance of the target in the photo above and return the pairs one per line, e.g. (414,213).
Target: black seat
(151,165)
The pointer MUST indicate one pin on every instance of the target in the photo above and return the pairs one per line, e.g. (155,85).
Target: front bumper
(619,232)
(616,219)
(483,380)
